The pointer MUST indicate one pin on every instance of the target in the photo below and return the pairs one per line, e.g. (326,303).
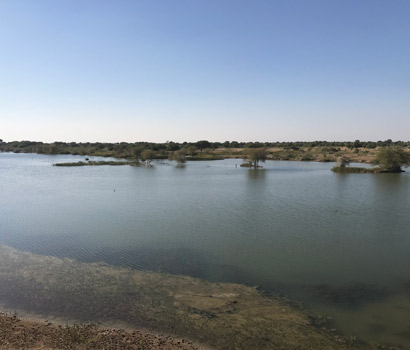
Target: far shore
(134,153)
(303,155)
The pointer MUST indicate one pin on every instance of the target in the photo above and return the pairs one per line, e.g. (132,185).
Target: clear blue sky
(184,70)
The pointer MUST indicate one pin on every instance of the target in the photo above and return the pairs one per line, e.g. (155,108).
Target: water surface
(338,242)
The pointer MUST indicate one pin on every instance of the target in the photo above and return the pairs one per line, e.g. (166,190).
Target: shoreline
(18,332)
(300,153)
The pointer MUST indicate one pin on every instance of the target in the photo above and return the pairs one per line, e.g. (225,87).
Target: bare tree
(147,156)
(342,162)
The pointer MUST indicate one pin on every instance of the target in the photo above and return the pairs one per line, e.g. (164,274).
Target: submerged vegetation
(222,315)
(351,295)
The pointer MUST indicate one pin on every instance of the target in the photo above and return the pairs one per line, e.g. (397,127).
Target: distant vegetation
(145,151)
(389,159)
(322,151)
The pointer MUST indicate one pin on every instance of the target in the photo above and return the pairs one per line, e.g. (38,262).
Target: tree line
(165,150)
(381,152)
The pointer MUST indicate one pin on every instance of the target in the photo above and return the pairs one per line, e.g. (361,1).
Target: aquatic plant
(223,315)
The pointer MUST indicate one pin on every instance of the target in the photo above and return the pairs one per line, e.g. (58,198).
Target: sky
(187,70)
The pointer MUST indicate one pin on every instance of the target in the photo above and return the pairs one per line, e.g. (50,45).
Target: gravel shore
(17,333)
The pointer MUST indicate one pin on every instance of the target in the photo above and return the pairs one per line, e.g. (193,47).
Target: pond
(337,242)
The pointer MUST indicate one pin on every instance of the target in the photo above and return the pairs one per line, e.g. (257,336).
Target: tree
(203,144)
(357,144)
(392,158)
(178,156)
(255,155)
(172,146)
(148,155)
(191,150)
(137,153)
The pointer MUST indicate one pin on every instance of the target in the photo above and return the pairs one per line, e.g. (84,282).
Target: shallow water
(339,242)
(223,316)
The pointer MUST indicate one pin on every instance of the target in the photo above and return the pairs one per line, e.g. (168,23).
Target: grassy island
(389,160)
(97,163)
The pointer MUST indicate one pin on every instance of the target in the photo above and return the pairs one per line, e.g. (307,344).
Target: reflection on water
(256,174)
(293,227)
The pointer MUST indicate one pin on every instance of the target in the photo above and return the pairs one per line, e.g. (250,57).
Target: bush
(392,158)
